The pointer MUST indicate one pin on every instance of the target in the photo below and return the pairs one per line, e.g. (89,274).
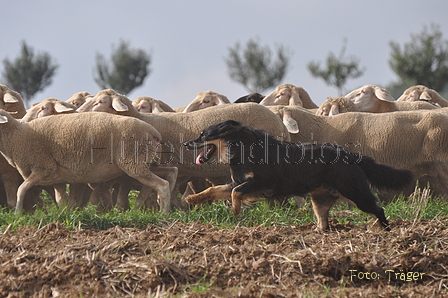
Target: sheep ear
(383,94)
(60,107)
(156,108)
(425,96)
(295,100)
(220,99)
(118,105)
(290,123)
(8,98)
(3,119)
(334,110)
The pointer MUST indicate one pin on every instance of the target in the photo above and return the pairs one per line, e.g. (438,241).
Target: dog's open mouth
(206,154)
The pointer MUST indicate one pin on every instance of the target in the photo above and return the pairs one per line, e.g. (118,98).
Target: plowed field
(198,260)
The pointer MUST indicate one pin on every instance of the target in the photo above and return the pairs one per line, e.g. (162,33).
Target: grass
(420,205)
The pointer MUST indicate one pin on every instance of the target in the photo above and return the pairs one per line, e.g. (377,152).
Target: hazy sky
(189,39)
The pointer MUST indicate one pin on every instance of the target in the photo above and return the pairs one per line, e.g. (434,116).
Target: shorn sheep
(412,140)
(81,148)
(288,94)
(423,93)
(146,104)
(372,99)
(176,128)
(206,99)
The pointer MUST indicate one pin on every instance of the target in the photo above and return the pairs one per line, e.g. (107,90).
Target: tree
(338,69)
(127,70)
(424,60)
(29,73)
(254,67)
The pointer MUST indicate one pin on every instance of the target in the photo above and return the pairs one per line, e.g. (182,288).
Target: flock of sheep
(103,146)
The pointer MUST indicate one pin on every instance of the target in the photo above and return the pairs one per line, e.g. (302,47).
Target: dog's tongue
(199,158)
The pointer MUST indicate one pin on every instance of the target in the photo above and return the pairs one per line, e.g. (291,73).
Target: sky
(188,40)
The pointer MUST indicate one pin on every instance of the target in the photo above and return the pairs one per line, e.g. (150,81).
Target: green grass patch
(420,205)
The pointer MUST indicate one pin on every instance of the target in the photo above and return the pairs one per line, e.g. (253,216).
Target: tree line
(421,61)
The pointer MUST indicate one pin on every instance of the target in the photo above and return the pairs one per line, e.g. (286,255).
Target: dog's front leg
(214,193)
(239,194)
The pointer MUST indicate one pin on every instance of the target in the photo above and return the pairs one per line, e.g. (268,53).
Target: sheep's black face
(213,139)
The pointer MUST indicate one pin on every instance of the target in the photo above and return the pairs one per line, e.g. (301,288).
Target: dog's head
(214,140)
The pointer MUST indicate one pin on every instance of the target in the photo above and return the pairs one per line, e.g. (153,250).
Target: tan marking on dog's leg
(237,197)
(236,202)
(214,193)
(322,200)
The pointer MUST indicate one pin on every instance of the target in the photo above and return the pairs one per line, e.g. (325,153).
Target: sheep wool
(413,140)
(80,148)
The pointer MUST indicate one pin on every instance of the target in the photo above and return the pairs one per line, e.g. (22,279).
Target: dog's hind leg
(322,199)
(354,187)
(214,193)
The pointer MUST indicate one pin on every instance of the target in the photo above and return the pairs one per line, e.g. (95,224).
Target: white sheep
(79,98)
(423,93)
(146,104)
(81,148)
(206,99)
(336,105)
(176,128)
(288,94)
(47,107)
(413,140)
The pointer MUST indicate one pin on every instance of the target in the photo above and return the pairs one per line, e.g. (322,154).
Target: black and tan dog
(262,167)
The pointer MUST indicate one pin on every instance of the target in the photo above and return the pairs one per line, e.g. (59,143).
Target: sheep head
(423,93)
(283,95)
(206,99)
(146,104)
(79,98)
(12,102)
(336,105)
(370,98)
(107,101)
(48,107)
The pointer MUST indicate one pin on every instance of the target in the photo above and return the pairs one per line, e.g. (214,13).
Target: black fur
(252,97)
(263,167)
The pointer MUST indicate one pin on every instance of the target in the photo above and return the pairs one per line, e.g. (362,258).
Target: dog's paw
(195,199)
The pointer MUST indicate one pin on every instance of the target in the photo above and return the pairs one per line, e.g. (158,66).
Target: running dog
(262,167)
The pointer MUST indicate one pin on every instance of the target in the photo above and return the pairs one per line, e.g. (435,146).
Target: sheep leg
(101,196)
(79,195)
(123,195)
(167,173)
(61,195)
(146,198)
(29,182)
(161,186)
(11,184)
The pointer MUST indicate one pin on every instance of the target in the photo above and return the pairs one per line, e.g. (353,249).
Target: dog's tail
(384,177)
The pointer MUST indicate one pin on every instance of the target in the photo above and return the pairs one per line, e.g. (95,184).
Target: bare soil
(199,260)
